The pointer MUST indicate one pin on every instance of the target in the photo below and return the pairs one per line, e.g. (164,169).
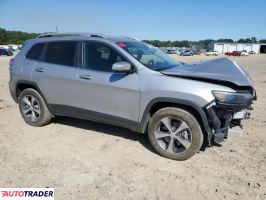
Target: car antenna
(56,30)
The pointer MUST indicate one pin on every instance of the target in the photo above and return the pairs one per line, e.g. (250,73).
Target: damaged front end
(227,111)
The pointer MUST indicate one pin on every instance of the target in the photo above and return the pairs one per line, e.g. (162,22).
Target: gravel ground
(87,160)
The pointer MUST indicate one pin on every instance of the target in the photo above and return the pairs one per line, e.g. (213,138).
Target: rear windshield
(149,56)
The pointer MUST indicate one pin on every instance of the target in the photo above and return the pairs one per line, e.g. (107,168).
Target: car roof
(81,36)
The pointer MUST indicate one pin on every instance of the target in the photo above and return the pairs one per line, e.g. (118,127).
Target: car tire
(162,146)
(33,108)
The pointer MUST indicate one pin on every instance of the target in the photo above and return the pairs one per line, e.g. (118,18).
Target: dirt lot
(87,160)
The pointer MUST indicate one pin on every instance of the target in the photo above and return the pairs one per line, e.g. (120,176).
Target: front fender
(179,103)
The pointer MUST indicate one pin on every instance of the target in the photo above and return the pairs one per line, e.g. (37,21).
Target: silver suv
(128,83)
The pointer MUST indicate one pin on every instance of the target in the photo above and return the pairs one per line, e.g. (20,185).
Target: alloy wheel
(31,108)
(173,135)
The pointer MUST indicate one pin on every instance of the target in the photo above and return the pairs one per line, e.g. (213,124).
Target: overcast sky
(146,19)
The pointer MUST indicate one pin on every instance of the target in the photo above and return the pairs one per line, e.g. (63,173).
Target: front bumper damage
(222,117)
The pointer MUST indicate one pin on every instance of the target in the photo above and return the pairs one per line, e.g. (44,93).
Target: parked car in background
(211,53)
(170,51)
(163,49)
(186,53)
(6,52)
(178,52)
(196,52)
(252,52)
(14,47)
(3,47)
(19,47)
(11,47)
(234,53)
(244,53)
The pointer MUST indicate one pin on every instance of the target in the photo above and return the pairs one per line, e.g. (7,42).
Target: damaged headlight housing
(232,97)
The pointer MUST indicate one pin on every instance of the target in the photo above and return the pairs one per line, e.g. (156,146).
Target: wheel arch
(24,84)
(159,103)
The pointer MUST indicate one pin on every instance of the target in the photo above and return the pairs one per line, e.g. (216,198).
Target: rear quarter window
(35,51)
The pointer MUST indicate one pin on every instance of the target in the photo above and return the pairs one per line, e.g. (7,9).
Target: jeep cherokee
(128,83)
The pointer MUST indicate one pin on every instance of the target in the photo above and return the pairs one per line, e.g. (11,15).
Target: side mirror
(122,67)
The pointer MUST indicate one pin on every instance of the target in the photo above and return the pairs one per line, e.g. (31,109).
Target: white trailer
(230,47)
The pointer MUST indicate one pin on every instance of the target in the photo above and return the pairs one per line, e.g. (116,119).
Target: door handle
(87,77)
(40,70)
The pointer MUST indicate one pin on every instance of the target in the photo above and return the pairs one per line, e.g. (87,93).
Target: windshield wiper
(169,67)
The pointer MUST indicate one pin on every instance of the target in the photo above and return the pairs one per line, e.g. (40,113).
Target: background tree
(14,37)
(253,40)
(225,40)
(248,40)
(262,41)
(3,36)
(242,40)
(18,37)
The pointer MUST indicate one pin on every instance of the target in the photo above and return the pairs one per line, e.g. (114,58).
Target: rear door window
(35,51)
(62,53)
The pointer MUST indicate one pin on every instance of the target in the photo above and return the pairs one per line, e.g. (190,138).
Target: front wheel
(175,133)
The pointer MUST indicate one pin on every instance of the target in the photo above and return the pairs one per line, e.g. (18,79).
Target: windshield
(149,56)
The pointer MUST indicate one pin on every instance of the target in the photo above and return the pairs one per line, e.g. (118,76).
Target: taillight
(11,62)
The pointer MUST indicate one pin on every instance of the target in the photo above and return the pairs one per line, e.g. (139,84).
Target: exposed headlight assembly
(232,97)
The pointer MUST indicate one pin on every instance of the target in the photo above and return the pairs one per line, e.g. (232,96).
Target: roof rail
(132,38)
(53,34)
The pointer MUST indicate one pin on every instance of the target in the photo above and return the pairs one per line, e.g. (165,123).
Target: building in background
(230,47)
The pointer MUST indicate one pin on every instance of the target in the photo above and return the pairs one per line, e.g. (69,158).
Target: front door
(100,90)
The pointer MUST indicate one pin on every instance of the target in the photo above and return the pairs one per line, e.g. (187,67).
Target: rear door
(103,91)
(55,74)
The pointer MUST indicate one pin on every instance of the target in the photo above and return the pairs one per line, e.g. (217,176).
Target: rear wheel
(33,108)
(175,133)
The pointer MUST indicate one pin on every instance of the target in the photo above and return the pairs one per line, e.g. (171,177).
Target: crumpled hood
(220,69)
